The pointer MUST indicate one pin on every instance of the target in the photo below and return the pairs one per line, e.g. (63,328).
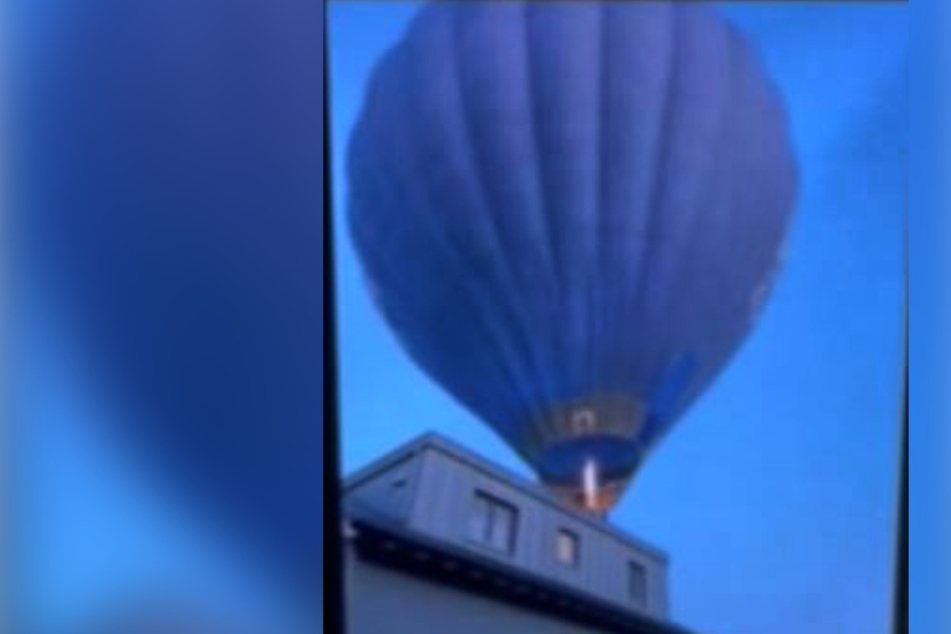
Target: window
(493,523)
(566,548)
(637,582)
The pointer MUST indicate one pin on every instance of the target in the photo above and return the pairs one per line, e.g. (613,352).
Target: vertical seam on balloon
(440,241)
(660,161)
(614,308)
(709,371)
(546,425)
(717,146)
(521,370)
(657,347)
(753,247)
(703,378)
(550,259)
(627,300)
(595,301)
(551,290)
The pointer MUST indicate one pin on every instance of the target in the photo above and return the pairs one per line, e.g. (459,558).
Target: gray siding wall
(443,506)
(383,601)
(391,491)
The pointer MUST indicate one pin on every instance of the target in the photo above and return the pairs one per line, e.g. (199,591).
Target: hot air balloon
(571,214)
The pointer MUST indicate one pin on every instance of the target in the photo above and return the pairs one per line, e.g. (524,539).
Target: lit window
(493,522)
(566,548)
(637,582)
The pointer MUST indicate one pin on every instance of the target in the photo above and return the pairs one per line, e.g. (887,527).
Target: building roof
(379,540)
(438,442)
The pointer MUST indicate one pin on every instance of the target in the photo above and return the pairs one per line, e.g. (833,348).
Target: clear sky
(775,494)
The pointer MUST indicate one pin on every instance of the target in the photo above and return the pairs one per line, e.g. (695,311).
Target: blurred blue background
(164,313)
(776,495)
(928,228)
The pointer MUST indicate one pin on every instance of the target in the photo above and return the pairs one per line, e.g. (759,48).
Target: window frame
(497,515)
(637,592)
(570,537)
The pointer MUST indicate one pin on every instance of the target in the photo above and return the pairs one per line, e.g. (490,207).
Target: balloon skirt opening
(589,474)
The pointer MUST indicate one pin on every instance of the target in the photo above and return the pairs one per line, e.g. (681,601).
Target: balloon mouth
(590,473)
(597,503)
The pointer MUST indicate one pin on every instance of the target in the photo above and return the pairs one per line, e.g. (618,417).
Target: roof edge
(435,440)
(382,543)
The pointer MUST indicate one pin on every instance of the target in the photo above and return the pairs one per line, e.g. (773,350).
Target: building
(441,540)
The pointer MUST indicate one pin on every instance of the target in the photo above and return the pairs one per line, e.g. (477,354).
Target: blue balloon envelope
(570,215)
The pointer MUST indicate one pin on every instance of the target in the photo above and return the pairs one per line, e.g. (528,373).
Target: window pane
(638,582)
(493,522)
(566,548)
(503,527)
(479,519)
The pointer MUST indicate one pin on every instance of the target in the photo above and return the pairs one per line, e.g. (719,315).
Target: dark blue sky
(775,495)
